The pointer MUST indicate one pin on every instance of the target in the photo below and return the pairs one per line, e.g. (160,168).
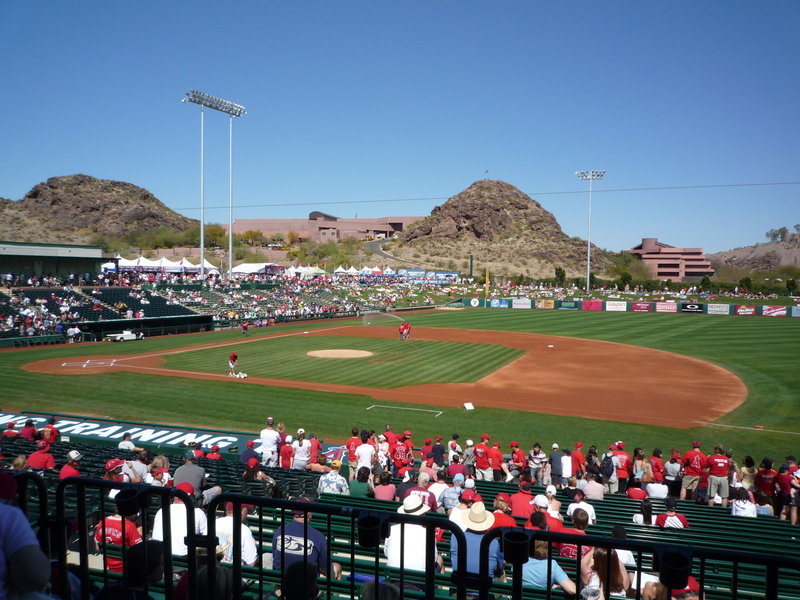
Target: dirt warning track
(557,375)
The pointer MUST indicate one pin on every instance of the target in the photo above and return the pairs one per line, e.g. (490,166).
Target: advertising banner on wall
(472,302)
(641,307)
(499,303)
(796,311)
(666,307)
(521,303)
(545,303)
(616,306)
(592,305)
(569,305)
(774,311)
(691,307)
(718,309)
(746,309)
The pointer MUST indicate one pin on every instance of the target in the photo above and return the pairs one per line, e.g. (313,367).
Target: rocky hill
(504,229)
(761,257)
(73,208)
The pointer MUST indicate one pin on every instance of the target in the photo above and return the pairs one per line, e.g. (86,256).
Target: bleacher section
(150,303)
(79,303)
(713,530)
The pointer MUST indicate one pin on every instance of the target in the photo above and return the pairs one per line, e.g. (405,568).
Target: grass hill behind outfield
(763,352)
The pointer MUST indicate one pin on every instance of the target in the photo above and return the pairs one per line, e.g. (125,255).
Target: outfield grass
(764,352)
(392,364)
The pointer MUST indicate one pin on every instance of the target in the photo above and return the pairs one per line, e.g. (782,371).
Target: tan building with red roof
(669,262)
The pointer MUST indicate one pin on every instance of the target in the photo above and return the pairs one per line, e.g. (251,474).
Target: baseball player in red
(233,361)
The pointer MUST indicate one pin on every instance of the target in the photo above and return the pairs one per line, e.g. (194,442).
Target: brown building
(669,262)
(322,227)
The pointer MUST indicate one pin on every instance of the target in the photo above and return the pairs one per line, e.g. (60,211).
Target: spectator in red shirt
(580,521)
(694,462)
(578,459)
(483,464)
(516,465)
(351,444)
(426,449)
(316,446)
(214,454)
(541,504)
(783,492)
(765,477)
(29,432)
(390,436)
(41,459)
(10,430)
(502,510)
(522,501)
(624,470)
(718,468)
(456,467)
(119,532)
(286,454)
(49,432)
(657,465)
(671,519)
(70,469)
(497,458)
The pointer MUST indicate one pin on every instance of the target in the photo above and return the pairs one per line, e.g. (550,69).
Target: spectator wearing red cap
(468,497)
(41,458)
(214,454)
(516,463)
(625,468)
(425,449)
(484,470)
(10,431)
(249,452)
(113,472)
(522,501)
(179,521)
(224,527)
(578,459)
(694,462)
(400,455)
(498,461)
(502,511)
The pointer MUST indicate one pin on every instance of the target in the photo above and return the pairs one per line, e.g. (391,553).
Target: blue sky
(350,102)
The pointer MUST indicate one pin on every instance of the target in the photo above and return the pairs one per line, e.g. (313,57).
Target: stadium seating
(153,305)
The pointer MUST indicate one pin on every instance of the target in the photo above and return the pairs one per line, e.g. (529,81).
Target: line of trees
(781,234)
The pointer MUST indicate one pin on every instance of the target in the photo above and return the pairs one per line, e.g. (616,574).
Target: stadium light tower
(232,110)
(590,176)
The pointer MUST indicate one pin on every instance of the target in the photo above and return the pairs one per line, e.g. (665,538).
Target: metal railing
(356,544)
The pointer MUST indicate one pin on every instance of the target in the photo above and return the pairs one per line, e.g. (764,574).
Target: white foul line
(438,412)
(747,428)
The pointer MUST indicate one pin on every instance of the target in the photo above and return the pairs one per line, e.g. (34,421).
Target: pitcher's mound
(339,353)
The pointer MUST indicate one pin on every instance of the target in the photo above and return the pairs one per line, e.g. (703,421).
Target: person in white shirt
(179,525)
(581,503)
(408,541)
(439,486)
(657,490)
(742,506)
(224,531)
(269,444)
(302,450)
(365,453)
(127,444)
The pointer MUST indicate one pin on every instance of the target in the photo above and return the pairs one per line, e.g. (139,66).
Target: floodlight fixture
(233,110)
(592,175)
(209,101)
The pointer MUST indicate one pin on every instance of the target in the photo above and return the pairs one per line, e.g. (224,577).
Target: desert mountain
(503,228)
(71,209)
(770,255)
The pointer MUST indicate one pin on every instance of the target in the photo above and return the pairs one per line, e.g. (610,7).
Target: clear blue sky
(358,101)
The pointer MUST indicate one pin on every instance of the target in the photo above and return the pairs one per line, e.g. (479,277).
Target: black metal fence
(67,512)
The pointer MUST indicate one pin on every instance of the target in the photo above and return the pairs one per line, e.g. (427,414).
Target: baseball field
(649,379)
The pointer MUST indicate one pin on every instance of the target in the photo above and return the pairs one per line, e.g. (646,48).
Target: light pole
(233,110)
(590,176)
